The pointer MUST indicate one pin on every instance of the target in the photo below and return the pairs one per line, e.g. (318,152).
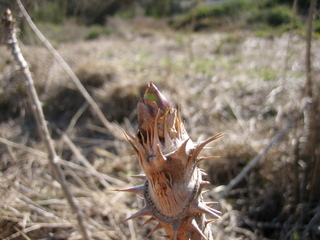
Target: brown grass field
(234,82)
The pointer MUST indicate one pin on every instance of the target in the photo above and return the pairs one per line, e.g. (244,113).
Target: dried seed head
(168,157)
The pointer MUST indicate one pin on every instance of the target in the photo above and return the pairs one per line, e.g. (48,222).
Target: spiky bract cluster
(173,182)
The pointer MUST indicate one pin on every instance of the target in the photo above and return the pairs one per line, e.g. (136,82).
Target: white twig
(42,125)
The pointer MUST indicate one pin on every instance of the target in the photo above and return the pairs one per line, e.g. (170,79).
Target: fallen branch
(38,113)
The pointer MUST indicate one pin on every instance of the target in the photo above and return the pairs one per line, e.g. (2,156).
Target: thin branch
(37,110)
(311,115)
(63,162)
(255,160)
(308,86)
(23,147)
(316,218)
(75,118)
(286,59)
(38,226)
(112,128)
(82,159)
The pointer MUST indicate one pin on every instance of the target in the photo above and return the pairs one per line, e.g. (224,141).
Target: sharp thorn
(175,228)
(210,221)
(159,154)
(165,131)
(210,203)
(156,139)
(201,145)
(136,145)
(148,221)
(193,224)
(201,208)
(182,153)
(157,227)
(207,158)
(137,190)
(205,191)
(143,212)
(165,236)
(128,137)
(204,184)
(140,176)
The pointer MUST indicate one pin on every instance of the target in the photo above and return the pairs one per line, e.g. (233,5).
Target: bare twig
(308,86)
(113,128)
(311,116)
(37,110)
(255,160)
(38,226)
(23,147)
(316,218)
(63,162)
(22,233)
(286,59)
(82,158)
(76,117)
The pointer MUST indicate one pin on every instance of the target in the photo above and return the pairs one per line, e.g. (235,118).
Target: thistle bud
(168,157)
(152,93)
(153,105)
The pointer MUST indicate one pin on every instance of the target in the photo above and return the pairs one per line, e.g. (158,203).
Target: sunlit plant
(173,182)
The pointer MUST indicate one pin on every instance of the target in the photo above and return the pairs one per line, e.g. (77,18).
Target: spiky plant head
(168,157)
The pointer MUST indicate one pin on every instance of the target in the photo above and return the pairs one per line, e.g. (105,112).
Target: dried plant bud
(152,106)
(152,93)
(168,157)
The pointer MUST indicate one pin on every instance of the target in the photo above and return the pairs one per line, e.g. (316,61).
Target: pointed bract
(210,221)
(175,228)
(182,152)
(148,221)
(165,236)
(206,158)
(140,176)
(211,203)
(204,184)
(160,157)
(201,145)
(134,142)
(143,212)
(156,139)
(137,190)
(173,182)
(201,208)
(193,224)
(157,227)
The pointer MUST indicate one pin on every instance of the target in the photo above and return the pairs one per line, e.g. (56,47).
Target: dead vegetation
(236,85)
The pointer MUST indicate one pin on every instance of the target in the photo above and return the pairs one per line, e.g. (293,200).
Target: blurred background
(236,66)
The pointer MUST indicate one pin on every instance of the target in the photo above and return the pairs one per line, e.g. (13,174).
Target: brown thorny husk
(173,183)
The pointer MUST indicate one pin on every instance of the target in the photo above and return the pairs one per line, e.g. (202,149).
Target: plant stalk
(41,122)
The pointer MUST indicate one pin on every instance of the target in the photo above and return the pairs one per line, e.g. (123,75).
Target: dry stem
(256,160)
(38,113)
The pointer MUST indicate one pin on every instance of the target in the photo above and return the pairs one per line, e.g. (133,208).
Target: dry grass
(236,83)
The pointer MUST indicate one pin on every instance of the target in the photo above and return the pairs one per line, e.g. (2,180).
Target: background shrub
(50,12)
(278,15)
